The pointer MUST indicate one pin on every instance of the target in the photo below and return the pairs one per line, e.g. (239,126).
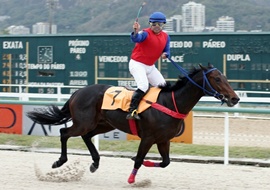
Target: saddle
(119,97)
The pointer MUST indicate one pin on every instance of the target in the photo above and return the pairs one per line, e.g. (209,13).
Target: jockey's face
(156,27)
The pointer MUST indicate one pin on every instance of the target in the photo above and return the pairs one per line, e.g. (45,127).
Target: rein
(206,82)
(176,113)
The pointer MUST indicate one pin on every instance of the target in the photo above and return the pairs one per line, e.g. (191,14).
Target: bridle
(206,83)
(213,92)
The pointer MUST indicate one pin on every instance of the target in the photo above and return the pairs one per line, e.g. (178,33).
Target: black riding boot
(135,101)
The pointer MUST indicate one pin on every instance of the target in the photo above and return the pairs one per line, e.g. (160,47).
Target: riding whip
(139,12)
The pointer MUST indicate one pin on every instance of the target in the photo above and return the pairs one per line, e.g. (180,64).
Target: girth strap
(175,114)
(132,126)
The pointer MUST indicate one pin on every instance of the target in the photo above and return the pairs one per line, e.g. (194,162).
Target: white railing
(22,94)
(244,97)
(226,122)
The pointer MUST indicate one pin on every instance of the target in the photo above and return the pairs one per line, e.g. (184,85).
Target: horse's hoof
(59,162)
(131,179)
(93,168)
(55,165)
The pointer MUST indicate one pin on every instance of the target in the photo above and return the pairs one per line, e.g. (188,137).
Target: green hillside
(117,16)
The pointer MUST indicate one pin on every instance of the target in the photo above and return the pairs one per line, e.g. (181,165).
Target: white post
(226,139)
(23,95)
(59,95)
(236,106)
(96,142)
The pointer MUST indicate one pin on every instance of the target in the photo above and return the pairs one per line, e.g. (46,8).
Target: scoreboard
(49,61)
(244,58)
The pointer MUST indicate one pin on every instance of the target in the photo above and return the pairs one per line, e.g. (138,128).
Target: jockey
(151,43)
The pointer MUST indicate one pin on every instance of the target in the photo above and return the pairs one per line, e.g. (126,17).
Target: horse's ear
(210,65)
(202,67)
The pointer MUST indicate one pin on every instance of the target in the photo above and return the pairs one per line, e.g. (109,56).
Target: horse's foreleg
(163,149)
(63,158)
(144,147)
(148,163)
(164,152)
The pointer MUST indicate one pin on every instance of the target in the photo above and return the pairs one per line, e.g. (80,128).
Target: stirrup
(133,115)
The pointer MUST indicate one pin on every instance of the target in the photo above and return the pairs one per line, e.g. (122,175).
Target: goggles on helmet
(160,24)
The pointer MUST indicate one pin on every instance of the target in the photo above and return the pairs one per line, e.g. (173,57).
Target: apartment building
(193,17)
(225,24)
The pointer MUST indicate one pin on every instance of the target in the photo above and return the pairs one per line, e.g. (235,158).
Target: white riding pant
(145,74)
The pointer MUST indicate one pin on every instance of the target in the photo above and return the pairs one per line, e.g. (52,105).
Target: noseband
(206,83)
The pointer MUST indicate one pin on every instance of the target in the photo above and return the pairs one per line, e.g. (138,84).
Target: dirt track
(31,171)
(243,132)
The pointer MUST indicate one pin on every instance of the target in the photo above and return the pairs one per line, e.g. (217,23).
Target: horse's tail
(51,115)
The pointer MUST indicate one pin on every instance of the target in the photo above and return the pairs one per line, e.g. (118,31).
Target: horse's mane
(180,82)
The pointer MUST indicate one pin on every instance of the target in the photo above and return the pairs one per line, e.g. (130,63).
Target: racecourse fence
(23,95)
(225,110)
(247,97)
(59,99)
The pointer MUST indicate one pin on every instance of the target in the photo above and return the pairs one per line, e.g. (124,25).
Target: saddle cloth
(119,98)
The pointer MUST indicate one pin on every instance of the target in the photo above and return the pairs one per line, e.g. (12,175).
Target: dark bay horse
(155,127)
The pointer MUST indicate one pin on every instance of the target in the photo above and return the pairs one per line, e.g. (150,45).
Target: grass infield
(131,146)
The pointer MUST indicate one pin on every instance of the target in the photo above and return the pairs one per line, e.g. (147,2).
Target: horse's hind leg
(101,128)
(63,158)
(65,134)
(93,151)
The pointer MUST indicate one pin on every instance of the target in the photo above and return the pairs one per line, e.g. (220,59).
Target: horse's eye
(217,79)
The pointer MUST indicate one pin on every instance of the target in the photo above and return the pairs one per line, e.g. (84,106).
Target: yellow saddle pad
(119,98)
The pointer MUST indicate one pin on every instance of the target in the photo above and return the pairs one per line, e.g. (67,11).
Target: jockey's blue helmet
(157,17)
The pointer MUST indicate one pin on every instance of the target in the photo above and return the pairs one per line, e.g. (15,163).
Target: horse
(155,126)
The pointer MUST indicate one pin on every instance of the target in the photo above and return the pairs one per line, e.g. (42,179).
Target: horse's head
(216,84)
